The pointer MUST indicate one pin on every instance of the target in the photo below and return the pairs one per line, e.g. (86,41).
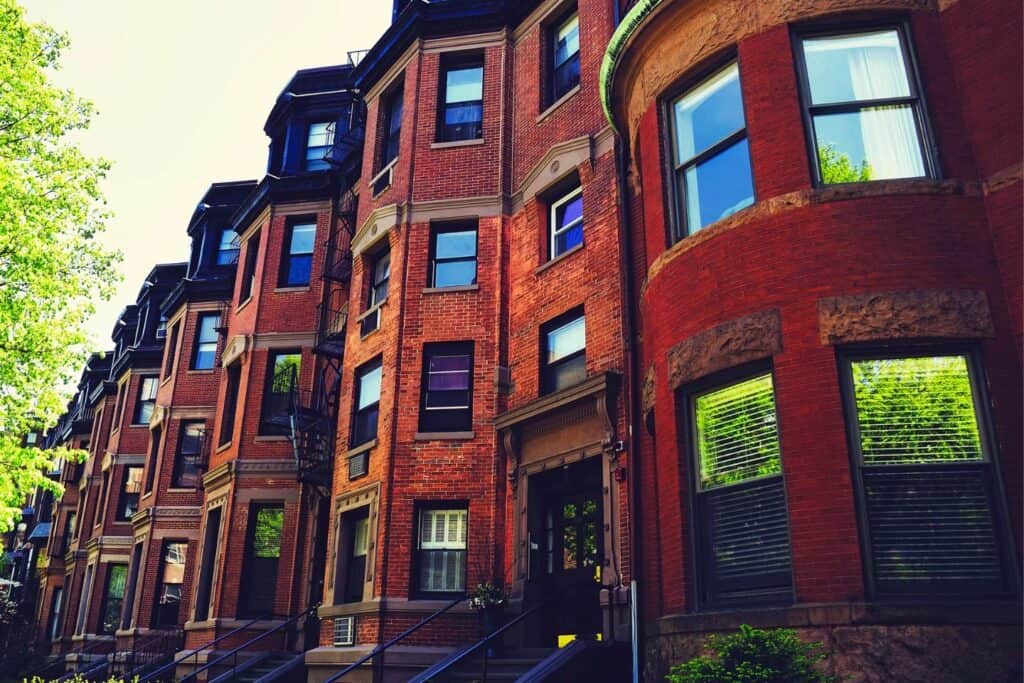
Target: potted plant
(489,602)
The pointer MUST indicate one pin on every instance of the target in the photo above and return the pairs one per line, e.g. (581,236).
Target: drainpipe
(626,275)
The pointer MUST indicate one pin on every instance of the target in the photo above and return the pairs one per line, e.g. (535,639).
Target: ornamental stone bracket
(753,337)
(913,314)
(234,349)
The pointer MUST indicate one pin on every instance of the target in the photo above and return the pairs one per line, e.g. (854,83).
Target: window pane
(567,239)
(208,325)
(915,410)
(864,66)
(718,187)
(567,40)
(709,113)
(299,269)
(871,144)
(568,373)
(464,85)
(267,534)
(302,239)
(567,339)
(369,388)
(567,76)
(149,386)
(286,371)
(569,212)
(456,244)
(455,273)
(737,434)
(320,134)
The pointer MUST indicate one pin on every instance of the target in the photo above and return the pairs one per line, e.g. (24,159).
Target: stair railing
(194,653)
(462,655)
(381,648)
(233,653)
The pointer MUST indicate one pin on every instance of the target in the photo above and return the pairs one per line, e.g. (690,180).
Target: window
(172,350)
(131,585)
(298,261)
(130,490)
(262,554)
(113,598)
(462,96)
(56,604)
(354,539)
(227,248)
(565,57)
(161,327)
(318,143)
(252,249)
(227,422)
(171,578)
(189,457)
(380,273)
(563,352)
(84,598)
(205,356)
(147,400)
(862,107)
(154,450)
(392,129)
(926,480)
(441,551)
(70,529)
(453,255)
(446,401)
(367,403)
(119,405)
(710,155)
(101,502)
(211,540)
(741,519)
(282,380)
(565,224)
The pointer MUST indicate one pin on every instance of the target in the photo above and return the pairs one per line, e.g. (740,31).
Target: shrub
(755,656)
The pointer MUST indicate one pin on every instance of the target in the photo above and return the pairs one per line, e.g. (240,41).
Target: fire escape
(313,414)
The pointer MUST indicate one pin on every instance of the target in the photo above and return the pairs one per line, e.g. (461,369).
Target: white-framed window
(319,141)
(565,224)
(441,550)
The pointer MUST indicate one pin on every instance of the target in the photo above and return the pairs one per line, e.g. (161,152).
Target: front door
(567,549)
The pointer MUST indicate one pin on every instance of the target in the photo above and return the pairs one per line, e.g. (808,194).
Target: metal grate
(747,540)
(344,631)
(932,529)
(358,465)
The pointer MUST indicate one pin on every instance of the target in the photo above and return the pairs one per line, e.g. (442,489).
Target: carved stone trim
(276,340)
(365,496)
(239,344)
(731,343)
(934,313)
(647,392)
(219,476)
(376,227)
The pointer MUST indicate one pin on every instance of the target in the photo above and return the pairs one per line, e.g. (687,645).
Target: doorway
(566,550)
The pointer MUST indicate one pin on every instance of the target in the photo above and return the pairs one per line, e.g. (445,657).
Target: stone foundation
(868,644)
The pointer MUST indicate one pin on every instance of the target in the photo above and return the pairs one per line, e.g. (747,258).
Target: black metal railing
(90,667)
(168,670)
(482,646)
(330,333)
(379,650)
(146,651)
(229,660)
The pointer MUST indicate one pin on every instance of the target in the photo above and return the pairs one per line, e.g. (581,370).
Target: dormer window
(319,141)
(227,248)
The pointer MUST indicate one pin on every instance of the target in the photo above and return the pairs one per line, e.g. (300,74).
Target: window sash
(319,140)
(381,276)
(146,401)
(559,226)
(206,341)
(392,128)
(444,255)
(227,248)
(187,460)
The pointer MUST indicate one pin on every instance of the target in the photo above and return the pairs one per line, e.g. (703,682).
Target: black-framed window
(252,250)
(85,598)
(146,403)
(56,607)
(170,583)
(205,355)
(151,459)
(862,106)
(741,520)
(122,391)
(563,352)
(391,130)
(932,519)
(70,529)
(565,56)
(380,274)
(113,598)
(453,254)
(132,585)
(319,140)
(441,550)
(171,349)
(131,488)
(297,262)
(188,458)
(461,115)
(227,248)
(262,556)
(233,377)
(446,395)
(565,222)
(354,543)
(211,538)
(282,379)
(710,154)
(367,403)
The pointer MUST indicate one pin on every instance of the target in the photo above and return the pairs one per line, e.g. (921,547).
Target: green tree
(836,167)
(52,266)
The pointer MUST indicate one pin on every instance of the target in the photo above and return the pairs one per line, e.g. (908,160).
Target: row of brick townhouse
(662,317)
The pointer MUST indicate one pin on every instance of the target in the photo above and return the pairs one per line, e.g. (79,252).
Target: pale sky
(183,89)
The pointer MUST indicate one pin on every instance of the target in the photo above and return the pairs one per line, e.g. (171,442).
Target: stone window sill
(443,436)
(457,143)
(361,448)
(457,288)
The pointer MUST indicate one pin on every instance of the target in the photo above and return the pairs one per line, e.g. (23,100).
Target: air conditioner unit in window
(344,631)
